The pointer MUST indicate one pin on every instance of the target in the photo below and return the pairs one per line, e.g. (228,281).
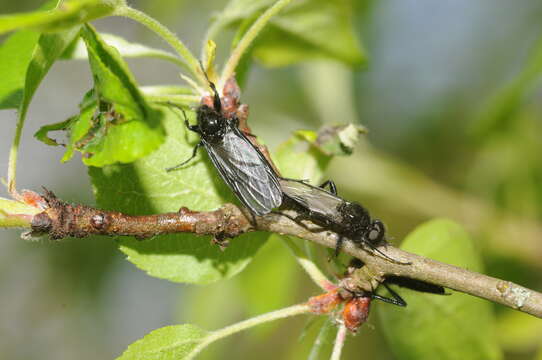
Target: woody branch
(59,219)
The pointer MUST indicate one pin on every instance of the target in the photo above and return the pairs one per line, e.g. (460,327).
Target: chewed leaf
(335,140)
(310,161)
(441,322)
(68,15)
(144,187)
(43,133)
(168,343)
(115,123)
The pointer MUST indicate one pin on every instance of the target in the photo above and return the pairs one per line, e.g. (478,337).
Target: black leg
(194,128)
(397,299)
(338,245)
(194,153)
(331,185)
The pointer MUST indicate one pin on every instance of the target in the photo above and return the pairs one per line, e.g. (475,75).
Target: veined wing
(312,198)
(246,171)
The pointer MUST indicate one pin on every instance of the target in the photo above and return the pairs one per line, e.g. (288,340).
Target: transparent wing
(312,198)
(246,171)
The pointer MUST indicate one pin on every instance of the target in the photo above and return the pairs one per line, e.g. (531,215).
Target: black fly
(240,164)
(347,219)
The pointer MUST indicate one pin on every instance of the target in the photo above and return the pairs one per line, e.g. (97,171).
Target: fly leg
(338,245)
(331,185)
(397,299)
(193,128)
(376,250)
(194,153)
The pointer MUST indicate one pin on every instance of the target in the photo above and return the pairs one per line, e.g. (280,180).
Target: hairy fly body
(325,208)
(240,164)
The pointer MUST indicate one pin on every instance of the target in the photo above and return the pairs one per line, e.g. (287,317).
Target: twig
(63,220)
(339,343)
(232,329)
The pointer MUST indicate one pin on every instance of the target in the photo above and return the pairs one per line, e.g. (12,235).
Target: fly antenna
(216,97)
(375,249)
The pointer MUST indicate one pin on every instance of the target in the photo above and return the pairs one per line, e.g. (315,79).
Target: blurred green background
(452,100)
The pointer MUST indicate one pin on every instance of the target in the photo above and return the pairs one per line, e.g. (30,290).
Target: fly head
(375,232)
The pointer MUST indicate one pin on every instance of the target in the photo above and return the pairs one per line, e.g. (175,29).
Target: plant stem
(14,151)
(16,214)
(339,343)
(309,266)
(248,38)
(246,324)
(174,99)
(189,60)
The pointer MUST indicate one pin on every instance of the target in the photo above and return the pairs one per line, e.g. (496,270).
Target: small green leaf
(168,343)
(307,154)
(43,133)
(458,326)
(126,49)
(115,123)
(144,187)
(305,30)
(65,16)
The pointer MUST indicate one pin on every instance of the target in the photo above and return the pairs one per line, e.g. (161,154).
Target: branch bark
(60,220)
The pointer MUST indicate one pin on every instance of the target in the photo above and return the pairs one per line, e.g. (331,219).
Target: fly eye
(374,235)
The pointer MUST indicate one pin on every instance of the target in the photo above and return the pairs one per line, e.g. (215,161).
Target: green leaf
(15,55)
(306,29)
(66,16)
(144,187)
(168,343)
(126,49)
(457,326)
(115,123)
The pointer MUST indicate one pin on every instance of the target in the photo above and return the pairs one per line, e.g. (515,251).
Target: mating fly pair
(259,188)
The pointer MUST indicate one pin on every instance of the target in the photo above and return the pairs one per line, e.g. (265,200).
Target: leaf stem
(246,324)
(248,38)
(190,62)
(14,151)
(339,343)
(308,265)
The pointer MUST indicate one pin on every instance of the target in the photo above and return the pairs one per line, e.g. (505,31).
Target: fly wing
(246,171)
(312,198)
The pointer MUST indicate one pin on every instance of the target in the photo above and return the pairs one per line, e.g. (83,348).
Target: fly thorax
(355,218)
(212,124)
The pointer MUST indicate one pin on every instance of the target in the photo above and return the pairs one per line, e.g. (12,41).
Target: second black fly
(326,208)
